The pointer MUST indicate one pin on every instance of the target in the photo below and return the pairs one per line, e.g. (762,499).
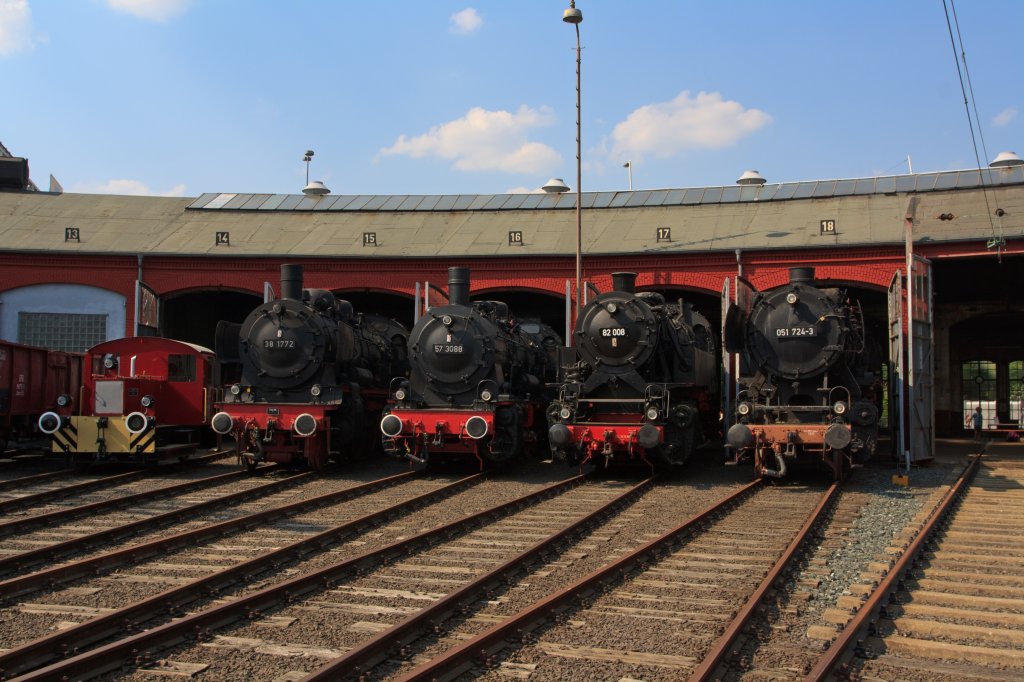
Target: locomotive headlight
(136,422)
(446,320)
(315,390)
(304,425)
(565,413)
(222,423)
(49,422)
(791,298)
(743,409)
(400,394)
(109,361)
(839,407)
(486,395)
(476,427)
(147,401)
(391,426)
(235,389)
(611,308)
(63,400)
(652,413)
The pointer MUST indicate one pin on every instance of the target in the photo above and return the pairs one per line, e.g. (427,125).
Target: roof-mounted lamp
(1006,160)
(751,177)
(315,188)
(555,186)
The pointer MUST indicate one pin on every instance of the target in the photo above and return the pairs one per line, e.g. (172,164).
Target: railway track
(263,553)
(658,612)
(328,593)
(952,605)
(18,496)
(582,578)
(57,542)
(368,609)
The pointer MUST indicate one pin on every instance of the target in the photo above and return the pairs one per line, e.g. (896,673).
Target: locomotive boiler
(312,371)
(476,387)
(808,384)
(644,386)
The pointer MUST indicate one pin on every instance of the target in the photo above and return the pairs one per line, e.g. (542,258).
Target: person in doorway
(976,420)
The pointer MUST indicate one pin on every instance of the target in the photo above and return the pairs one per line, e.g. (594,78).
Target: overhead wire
(962,73)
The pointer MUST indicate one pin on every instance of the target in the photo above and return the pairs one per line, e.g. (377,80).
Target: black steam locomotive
(312,371)
(809,391)
(476,387)
(644,387)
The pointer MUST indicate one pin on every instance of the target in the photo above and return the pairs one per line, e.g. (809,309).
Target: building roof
(951,206)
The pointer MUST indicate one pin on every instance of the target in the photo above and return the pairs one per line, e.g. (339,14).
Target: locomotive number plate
(613,331)
(278,343)
(448,349)
(792,332)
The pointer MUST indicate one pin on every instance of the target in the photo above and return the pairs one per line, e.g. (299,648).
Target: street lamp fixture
(307,157)
(575,17)
(317,187)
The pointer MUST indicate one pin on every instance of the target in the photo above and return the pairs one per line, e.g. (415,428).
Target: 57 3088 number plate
(794,332)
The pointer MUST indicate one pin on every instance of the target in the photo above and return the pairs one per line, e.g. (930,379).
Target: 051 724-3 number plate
(795,332)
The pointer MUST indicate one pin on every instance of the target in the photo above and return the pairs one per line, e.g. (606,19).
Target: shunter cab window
(181,368)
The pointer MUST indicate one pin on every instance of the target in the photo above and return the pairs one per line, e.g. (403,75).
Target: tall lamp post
(575,17)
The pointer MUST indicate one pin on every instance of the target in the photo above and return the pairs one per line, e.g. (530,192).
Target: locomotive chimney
(624,281)
(801,275)
(291,282)
(458,286)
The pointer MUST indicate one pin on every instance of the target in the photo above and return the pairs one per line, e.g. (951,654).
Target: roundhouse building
(83,268)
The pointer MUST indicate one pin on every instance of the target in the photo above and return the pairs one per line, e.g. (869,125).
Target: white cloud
(15,27)
(466,21)
(668,128)
(1004,117)
(485,141)
(152,10)
(126,188)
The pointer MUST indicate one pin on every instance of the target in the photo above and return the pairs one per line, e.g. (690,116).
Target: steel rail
(51,518)
(721,647)
(370,652)
(19,503)
(70,641)
(15,587)
(139,648)
(891,582)
(458,659)
(34,479)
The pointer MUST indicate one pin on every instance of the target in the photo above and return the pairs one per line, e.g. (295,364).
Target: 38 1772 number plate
(794,332)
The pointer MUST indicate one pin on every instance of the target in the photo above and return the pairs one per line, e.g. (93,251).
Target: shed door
(727,378)
(921,376)
(911,380)
(896,371)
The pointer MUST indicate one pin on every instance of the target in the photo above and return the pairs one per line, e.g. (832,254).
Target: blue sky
(182,97)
